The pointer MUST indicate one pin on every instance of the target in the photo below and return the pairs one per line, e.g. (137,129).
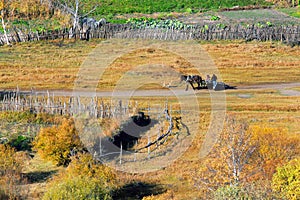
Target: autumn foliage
(57,143)
(244,160)
(84,178)
(286,181)
(275,147)
(10,172)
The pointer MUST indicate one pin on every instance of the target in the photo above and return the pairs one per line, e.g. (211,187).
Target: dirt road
(283,88)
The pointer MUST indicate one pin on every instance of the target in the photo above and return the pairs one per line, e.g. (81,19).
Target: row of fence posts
(93,107)
(198,32)
(74,105)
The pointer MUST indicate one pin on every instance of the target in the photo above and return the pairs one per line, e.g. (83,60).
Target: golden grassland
(265,108)
(55,64)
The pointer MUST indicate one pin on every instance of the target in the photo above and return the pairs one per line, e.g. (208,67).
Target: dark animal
(191,79)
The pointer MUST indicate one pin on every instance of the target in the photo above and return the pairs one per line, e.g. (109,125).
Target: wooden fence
(287,34)
(74,105)
(94,107)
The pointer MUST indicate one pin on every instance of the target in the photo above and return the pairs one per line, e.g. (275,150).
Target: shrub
(230,192)
(56,143)
(21,143)
(10,173)
(286,181)
(72,183)
(77,188)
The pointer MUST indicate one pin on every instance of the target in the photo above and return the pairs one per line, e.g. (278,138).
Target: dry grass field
(54,65)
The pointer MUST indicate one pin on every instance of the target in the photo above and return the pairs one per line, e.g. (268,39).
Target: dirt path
(284,88)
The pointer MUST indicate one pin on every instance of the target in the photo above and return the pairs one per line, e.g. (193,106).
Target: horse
(192,79)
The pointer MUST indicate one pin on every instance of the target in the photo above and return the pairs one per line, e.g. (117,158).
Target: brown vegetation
(55,64)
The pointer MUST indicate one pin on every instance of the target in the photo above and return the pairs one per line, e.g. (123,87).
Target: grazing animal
(86,25)
(191,79)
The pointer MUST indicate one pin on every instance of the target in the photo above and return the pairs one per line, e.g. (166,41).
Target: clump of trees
(83,177)
(244,161)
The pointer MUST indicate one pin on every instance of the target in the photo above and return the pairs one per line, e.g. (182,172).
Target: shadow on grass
(137,190)
(39,177)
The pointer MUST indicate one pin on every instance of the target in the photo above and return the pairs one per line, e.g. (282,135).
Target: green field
(111,7)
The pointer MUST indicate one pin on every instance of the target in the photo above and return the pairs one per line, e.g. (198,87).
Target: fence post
(121,149)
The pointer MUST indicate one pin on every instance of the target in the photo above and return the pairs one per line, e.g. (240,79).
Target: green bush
(77,188)
(21,143)
(157,23)
(229,192)
(214,18)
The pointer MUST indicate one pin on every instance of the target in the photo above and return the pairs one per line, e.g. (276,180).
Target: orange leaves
(10,173)
(7,159)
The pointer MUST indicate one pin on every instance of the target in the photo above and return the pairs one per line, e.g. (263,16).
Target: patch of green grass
(294,12)
(148,6)
(258,16)
(35,25)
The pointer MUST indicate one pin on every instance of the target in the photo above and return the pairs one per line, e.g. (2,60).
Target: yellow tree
(57,143)
(10,172)
(33,8)
(245,155)
(228,163)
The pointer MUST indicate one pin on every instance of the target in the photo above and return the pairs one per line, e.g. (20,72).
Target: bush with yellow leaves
(56,143)
(82,179)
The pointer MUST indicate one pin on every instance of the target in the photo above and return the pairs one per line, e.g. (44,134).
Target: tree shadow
(39,176)
(137,190)
(132,130)
(108,148)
